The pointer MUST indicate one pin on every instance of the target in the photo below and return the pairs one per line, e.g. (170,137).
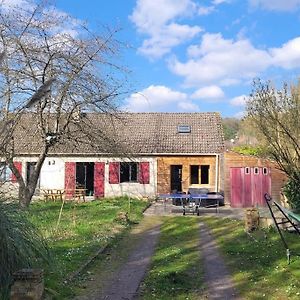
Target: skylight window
(184,128)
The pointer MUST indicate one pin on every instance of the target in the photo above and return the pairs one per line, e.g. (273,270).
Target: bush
(249,150)
(21,246)
(292,192)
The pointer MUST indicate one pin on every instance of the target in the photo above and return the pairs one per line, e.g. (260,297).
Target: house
(156,153)
(159,152)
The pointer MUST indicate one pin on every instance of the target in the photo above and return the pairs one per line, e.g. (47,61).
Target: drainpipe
(217,174)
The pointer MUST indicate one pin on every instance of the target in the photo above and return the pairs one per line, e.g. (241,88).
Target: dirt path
(125,281)
(216,276)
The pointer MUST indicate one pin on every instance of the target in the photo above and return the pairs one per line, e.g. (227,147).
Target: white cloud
(166,38)
(159,98)
(12,4)
(276,5)
(208,92)
(239,100)
(288,56)
(217,2)
(188,106)
(156,19)
(216,60)
(240,115)
(225,62)
(206,10)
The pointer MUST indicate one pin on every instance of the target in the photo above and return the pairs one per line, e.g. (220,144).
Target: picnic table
(79,193)
(53,194)
(61,194)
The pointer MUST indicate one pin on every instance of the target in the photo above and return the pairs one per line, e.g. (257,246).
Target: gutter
(114,155)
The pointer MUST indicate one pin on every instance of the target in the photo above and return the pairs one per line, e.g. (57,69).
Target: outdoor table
(76,194)
(194,201)
(216,198)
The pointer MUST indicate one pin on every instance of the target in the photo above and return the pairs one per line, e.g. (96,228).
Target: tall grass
(21,245)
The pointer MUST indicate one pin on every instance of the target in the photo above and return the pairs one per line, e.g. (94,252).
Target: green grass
(258,262)
(82,230)
(176,271)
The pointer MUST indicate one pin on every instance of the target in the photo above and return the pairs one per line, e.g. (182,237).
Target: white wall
(53,175)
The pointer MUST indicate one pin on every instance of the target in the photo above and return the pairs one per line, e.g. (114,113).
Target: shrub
(21,245)
(292,192)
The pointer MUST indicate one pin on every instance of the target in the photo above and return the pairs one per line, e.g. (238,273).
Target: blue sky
(197,55)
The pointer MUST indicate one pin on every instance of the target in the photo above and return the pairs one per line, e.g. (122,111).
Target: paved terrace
(165,208)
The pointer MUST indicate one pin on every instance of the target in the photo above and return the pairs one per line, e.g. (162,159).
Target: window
(265,171)
(256,171)
(204,174)
(194,174)
(184,128)
(247,170)
(5,172)
(128,172)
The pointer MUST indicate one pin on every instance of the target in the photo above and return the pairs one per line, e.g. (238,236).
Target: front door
(176,178)
(85,176)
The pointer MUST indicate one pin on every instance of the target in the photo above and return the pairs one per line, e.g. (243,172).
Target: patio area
(165,208)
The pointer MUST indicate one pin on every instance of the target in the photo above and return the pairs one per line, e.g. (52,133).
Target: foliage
(258,261)
(231,127)
(276,115)
(292,192)
(21,245)
(84,228)
(176,271)
(249,150)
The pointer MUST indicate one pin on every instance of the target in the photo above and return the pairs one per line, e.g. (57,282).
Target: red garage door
(248,186)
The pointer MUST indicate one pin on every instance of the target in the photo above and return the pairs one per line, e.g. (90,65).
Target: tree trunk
(25,196)
(26,190)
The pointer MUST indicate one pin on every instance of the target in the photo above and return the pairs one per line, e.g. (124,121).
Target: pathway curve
(216,275)
(126,281)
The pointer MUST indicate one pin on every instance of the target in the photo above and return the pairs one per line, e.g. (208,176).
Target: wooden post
(251,219)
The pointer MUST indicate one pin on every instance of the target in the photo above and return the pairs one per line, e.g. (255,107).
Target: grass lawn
(258,263)
(82,230)
(176,271)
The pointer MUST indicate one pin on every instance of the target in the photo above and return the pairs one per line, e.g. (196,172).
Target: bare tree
(54,69)
(276,114)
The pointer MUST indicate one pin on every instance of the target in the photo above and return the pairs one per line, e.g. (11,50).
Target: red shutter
(144,175)
(114,172)
(99,179)
(18,165)
(70,178)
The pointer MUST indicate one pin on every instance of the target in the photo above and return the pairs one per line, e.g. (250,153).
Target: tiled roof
(138,133)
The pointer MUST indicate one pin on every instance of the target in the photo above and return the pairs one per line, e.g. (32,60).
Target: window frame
(129,177)
(184,128)
(201,174)
(193,177)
